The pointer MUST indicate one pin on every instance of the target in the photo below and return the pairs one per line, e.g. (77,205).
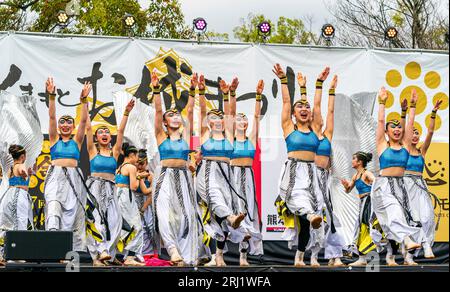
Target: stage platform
(48,267)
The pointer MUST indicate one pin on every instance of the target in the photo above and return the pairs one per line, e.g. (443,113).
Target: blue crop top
(416,163)
(122,179)
(65,150)
(103,164)
(18,181)
(394,158)
(243,149)
(170,149)
(324,147)
(299,141)
(362,187)
(217,148)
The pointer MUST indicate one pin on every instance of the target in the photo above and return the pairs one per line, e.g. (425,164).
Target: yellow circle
(432,80)
(437,124)
(413,70)
(393,116)
(41,187)
(421,102)
(393,78)
(390,100)
(33,182)
(43,163)
(418,127)
(46,146)
(441,96)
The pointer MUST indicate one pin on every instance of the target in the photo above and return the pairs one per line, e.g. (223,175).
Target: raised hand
(130,106)
(224,87)
(404,105)
(50,86)
(437,105)
(201,82)
(301,79)
(383,95)
(414,96)
(324,75)
(345,183)
(277,70)
(234,84)
(155,79)
(260,87)
(334,82)
(87,87)
(194,81)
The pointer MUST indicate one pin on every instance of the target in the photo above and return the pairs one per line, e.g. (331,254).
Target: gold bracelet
(380,101)
(332,91)
(126,113)
(156,90)
(303,90)
(284,80)
(319,84)
(226,97)
(202,91)
(192,92)
(404,113)
(233,93)
(83,100)
(433,114)
(52,96)
(258,97)
(413,105)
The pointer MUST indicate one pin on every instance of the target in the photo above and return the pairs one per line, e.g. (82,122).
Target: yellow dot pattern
(33,182)
(432,80)
(390,100)
(394,78)
(438,122)
(441,96)
(422,100)
(413,70)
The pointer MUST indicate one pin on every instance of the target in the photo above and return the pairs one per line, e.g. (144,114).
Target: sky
(223,15)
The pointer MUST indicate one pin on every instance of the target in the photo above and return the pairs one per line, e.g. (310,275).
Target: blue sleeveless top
(362,187)
(299,141)
(147,184)
(415,163)
(18,181)
(122,179)
(103,164)
(217,148)
(65,150)
(177,149)
(394,158)
(324,147)
(243,149)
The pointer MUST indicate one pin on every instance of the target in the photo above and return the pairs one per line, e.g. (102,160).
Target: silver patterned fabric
(132,231)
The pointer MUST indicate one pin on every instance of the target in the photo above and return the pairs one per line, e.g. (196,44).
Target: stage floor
(231,269)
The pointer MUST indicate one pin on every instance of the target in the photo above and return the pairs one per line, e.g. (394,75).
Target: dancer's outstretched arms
(52,129)
(302,83)
(404,106)
(286,114)
(329,129)
(121,131)
(203,124)
(426,144)
(317,122)
(79,137)
(159,130)
(189,127)
(254,134)
(381,132)
(408,131)
(90,139)
(230,117)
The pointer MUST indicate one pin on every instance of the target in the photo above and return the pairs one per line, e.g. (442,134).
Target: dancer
(65,190)
(389,198)
(174,200)
(103,160)
(422,209)
(131,237)
(215,184)
(244,178)
(299,190)
(362,180)
(16,205)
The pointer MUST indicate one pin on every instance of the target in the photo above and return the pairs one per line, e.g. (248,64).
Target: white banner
(123,65)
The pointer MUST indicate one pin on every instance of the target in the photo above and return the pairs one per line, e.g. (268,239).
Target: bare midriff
(393,171)
(174,163)
(414,173)
(302,155)
(106,176)
(65,162)
(244,162)
(322,161)
(224,159)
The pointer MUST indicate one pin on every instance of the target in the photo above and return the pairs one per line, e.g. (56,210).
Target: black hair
(128,149)
(142,155)
(364,157)
(16,151)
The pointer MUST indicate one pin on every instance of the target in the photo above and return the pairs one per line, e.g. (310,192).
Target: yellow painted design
(393,116)
(390,100)
(413,70)
(432,80)
(393,78)
(441,96)
(422,101)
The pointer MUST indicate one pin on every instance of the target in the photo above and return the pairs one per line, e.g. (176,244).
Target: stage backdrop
(116,66)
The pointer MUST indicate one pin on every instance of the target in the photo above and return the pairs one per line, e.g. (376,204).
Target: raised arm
(90,139)
(189,127)
(404,106)
(381,132)
(121,130)
(286,113)
(230,118)
(132,173)
(204,130)
(408,131)
(52,129)
(302,83)
(329,129)
(254,135)
(156,88)
(87,87)
(317,111)
(426,144)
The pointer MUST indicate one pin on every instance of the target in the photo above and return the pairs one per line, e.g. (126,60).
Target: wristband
(52,96)
(380,101)
(433,114)
(258,97)
(83,100)
(413,105)
(404,112)
(126,113)
(233,93)
(319,84)
(284,80)
(156,90)
(303,90)
(202,91)
(192,92)
(332,91)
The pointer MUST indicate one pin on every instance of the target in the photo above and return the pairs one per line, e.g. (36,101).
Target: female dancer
(16,206)
(65,191)
(419,196)
(174,200)
(298,185)
(131,238)
(214,179)
(242,161)
(362,180)
(101,184)
(389,198)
